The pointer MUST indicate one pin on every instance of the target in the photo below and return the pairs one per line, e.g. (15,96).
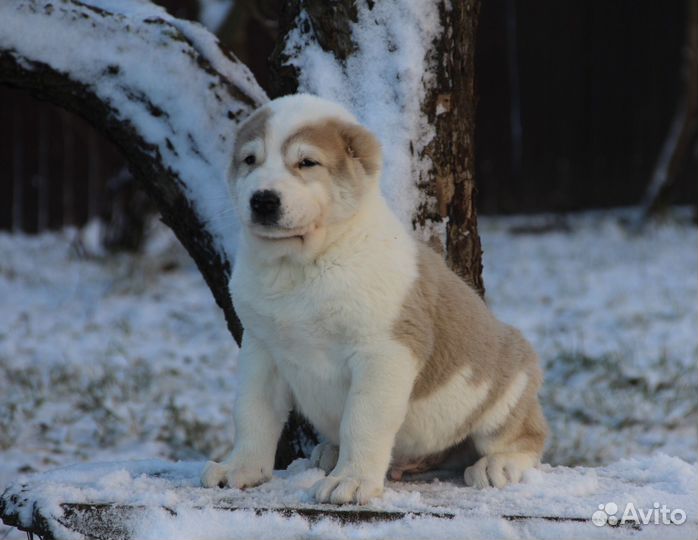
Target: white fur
(499,469)
(325,456)
(501,410)
(318,314)
(327,328)
(433,423)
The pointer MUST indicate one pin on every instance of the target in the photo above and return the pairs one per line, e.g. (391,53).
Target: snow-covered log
(162,89)
(406,69)
(160,499)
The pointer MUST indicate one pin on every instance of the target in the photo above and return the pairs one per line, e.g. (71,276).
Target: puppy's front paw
(233,475)
(343,489)
(498,470)
(325,456)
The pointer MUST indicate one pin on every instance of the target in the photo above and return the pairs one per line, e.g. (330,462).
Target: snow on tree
(161,89)
(406,69)
(169,96)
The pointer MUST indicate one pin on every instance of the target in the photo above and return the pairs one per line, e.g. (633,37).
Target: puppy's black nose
(266,207)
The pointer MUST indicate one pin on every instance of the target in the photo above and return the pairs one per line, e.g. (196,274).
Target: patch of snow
(614,318)
(177,507)
(109,357)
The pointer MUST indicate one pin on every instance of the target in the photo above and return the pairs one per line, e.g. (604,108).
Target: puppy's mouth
(282,233)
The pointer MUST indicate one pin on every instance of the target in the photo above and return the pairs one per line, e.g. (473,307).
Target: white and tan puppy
(361,328)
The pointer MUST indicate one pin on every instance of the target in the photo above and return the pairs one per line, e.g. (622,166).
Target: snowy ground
(614,317)
(172,504)
(120,357)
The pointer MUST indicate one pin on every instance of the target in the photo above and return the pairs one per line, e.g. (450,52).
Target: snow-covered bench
(160,499)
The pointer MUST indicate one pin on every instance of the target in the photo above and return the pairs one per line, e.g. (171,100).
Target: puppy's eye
(307,163)
(250,160)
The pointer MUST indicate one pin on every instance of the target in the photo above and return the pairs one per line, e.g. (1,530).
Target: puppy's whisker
(220,197)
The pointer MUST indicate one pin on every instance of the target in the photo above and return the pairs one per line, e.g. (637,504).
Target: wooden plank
(106,521)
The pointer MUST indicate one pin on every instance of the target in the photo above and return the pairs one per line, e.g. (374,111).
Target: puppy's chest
(310,337)
(315,309)
(299,318)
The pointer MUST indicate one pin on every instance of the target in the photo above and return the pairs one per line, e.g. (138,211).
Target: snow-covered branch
(163,90)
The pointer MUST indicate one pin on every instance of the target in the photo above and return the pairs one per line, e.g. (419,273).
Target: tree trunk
(451,107)
(443,162)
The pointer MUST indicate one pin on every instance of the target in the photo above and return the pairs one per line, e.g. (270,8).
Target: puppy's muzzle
(266,207)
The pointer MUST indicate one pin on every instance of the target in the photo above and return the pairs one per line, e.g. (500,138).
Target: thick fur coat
(365,331)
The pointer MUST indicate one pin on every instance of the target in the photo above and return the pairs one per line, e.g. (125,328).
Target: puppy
(365,331)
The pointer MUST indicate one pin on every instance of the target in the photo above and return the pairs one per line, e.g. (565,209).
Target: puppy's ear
(363,146)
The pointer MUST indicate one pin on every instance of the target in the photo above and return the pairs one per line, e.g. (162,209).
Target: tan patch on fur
(525,429)
(345,146)
(254,127)
(499,411)
(447,326)
(450,330)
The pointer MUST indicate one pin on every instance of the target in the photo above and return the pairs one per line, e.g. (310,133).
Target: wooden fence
(55,170)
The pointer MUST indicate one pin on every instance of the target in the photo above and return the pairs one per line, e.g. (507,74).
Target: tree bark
(451,107)
(330,25)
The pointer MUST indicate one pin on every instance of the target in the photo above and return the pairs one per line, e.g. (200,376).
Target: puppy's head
(301,165)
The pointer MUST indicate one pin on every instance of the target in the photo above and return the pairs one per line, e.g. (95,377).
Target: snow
(186,112)
(192,511)
(108,358)
(394,39)
(124,357)
(614,317)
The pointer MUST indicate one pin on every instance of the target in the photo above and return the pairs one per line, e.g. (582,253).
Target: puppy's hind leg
(510,451)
